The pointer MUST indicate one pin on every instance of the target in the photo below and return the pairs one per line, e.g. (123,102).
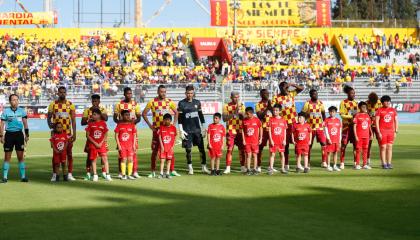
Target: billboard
(271,13)
(27,18)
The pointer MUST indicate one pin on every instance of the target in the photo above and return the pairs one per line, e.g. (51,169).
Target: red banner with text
(219,12)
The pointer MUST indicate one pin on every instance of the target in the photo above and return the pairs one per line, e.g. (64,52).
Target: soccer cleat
(227,170)
(306,170)
(204,169)
(5,180)
(368,161)
(390,166)
(175,174)
(87,177)
(213,173)
(65,179)
(342,166)
(337,169)
(168,176)
(385,166)
(367,167)
(53,178)
(248,172)
(190,171)
(123,177)
(357,167)
(298,170)
(152,175)
(218,173)
(329,169)
(136,175)
(258,169)
(95,178)
(70,177)
(275,170)
(283,171)
(24,179)
(108,177)
(243,169)
(287,167)
(255,171)
(270,171)
(120,176)
(131,178)
(324,165)
(160,176)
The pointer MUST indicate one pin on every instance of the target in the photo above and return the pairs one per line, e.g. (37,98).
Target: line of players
(277,123)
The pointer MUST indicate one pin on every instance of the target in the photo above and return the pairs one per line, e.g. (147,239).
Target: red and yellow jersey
(347,111)
(288,107)
(234,124)
(315,110)
(87,113)
(159,108)
(372,110)
(261,106)
(62,113)
(131,106)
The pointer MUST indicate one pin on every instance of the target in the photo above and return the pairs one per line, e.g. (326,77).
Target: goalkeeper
(191,128)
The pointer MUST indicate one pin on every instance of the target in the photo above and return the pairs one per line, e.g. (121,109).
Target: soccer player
(332,129)
(387,129)
(286,98)
(362,133)
(191,127)
(130,105)
(315,112)
(252,136)
(96,134)
(63,111)
(167,135)
(302,135)
(59,143)
(348,108)
(159,106)
(87,118)
(263,109)
(215,136)
(126,137)
(373,104)
(13,120)
(277,134)
(233,113)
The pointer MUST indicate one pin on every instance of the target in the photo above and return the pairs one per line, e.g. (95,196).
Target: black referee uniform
(191,117)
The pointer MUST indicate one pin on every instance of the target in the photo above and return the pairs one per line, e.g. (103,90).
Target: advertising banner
(27,18)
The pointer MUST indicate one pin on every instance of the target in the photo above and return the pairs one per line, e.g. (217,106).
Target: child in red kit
(96,134)
(126,137)
(301,138)
(252,136)
(167,135)
(363,134)
(215,135)
(332,129)
(277,134)
(59,142)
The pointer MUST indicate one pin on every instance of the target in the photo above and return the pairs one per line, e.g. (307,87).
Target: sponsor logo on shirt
(97,134)
(334,131)
(365,125)
(250,131)
(387,118)
(167,139)
(301,136)
(125,137)
(277,131)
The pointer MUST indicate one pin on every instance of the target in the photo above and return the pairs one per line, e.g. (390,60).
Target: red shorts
(302,150)
(215,153)
(168,155)
(155,141)
(387,138)
(265,138)
(60,157)
(363,143)
(234,139)
(126,153)
(348,136)
(320,136)
(252,148)
(333,148)
(277,148)
(95,152)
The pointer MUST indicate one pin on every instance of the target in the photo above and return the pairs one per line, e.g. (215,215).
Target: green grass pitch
(375,204)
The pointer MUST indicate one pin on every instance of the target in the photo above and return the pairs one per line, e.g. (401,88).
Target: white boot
(227,170)
(204,169)
(190,169)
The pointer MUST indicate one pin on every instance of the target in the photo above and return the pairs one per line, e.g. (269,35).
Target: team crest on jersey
(277,131)
(301,136)
(125,137)
(387,118)
(365,124)
(334,131)
(60,146)
(167,139)
(97,134)
(250,132)
(217,137)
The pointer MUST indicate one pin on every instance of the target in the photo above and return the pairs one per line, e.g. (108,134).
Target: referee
(191,128)
(16,120)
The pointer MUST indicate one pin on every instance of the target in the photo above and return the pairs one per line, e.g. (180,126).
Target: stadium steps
(402,59)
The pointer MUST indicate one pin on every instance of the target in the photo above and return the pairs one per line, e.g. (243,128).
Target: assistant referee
(191,126)
(13,120)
